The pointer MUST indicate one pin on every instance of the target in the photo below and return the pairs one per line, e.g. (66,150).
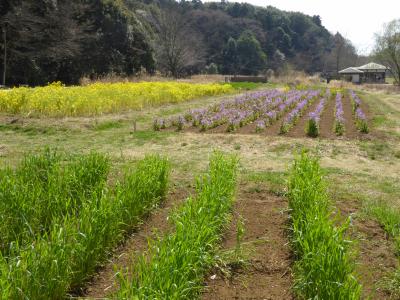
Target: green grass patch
(99,126)
(275,180)
(175,265)
(30,129)
(141,138)
(245,85)
(323,267)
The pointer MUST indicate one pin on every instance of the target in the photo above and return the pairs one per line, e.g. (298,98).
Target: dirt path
(104,281)
(350,130)
(275,127)
(268,275)
(298,130)
(328,119)
(376,257)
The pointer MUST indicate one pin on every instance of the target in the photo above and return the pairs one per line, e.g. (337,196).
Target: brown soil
(103,283)
(350,129)
(268,273)
(298,129)
(274,128)
(248,129)
(327,120)
(376,257)
(219,129)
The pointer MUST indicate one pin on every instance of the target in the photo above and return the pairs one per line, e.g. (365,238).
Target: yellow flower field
(57,100)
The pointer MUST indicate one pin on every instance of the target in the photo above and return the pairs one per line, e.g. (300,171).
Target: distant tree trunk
(5,54)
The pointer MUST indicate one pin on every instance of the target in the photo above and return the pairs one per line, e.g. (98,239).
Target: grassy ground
(365,171)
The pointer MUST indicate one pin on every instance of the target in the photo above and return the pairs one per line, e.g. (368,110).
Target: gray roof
(372,66)
(351,70)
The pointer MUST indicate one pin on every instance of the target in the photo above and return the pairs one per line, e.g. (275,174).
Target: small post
(134,125)
(5,53)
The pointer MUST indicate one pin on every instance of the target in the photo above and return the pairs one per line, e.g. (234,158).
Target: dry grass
(114,78)
(296,78)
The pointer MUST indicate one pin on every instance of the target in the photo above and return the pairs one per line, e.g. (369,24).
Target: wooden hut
(351,74)
(369,73)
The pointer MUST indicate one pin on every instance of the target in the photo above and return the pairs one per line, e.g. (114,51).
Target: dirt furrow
(350,130)
(104,281)
(327,120)
(267,273)
(298,130)
(376,259)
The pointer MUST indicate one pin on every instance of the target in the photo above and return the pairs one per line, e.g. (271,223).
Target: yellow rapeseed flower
(58,100)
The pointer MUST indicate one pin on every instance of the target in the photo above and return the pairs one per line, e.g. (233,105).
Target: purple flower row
(265,106)
(339,115)
(356,100)
(361,119)
(293,116)
(316,114)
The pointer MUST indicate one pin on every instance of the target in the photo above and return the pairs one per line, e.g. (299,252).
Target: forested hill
(50,40)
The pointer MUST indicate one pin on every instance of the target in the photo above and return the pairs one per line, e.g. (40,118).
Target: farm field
(239,180)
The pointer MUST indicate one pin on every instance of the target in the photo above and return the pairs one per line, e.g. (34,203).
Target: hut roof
(372,66)
(351,70)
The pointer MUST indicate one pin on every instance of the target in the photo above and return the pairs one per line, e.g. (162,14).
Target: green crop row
(59,220)
(175,265)
(323,267)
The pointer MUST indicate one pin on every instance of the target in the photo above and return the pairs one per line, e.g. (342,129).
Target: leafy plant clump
(323,269)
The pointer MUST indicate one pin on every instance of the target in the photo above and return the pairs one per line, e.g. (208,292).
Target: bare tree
(387,48)
(178,48)
(342,55)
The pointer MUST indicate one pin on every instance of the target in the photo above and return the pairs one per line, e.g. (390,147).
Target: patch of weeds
(229,140)
(389,218)
(30,129)
(280,148)
(376,149)
(335,151)
(143,137)
(106,125)
(237,147)
(397,154)
(184,144)
(388,186)
(230,261)
(275,181)
(245,85)
(379,120)
(256,189)
(391,284)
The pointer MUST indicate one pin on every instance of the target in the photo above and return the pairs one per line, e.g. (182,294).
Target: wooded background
(50,40)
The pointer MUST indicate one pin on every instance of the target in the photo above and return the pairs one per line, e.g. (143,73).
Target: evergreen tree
(251,58)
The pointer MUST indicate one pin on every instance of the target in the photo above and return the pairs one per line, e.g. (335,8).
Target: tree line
(47,40)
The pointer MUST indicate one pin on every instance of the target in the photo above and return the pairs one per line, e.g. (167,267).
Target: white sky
(356,20)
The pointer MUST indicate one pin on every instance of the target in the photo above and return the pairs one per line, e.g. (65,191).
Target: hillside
(49,41)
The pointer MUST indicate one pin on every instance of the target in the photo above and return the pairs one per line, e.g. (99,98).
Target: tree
(250,55)
(387,48)
(178,48)
(39,36)
(278,63)
(342,55)
(230,57)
